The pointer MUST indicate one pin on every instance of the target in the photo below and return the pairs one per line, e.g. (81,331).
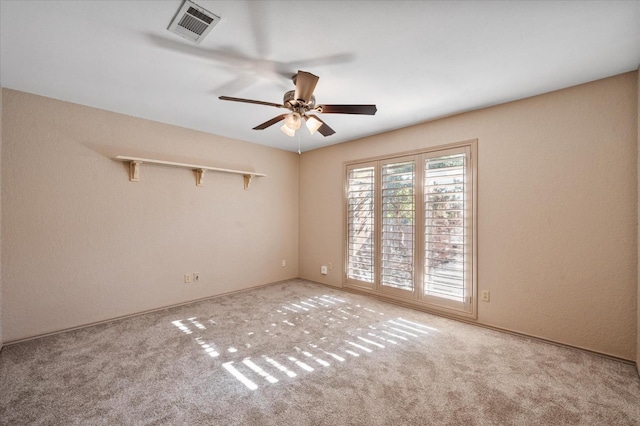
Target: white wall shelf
(134,169)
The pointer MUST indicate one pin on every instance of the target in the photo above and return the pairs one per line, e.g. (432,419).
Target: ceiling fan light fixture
(287,131)
(293,121)
(313,124)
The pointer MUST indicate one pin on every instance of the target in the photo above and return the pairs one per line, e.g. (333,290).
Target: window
(398,224)
(361,224)
(411,227)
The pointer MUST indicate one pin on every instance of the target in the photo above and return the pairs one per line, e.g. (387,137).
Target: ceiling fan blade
(323,128)
(347,109)
(326,130)
(322,60)
(242,81)
(271,122)
(250,101)
(305,85)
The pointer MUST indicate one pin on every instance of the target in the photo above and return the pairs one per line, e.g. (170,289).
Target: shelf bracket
(199,177)
(134,171)
(247,181)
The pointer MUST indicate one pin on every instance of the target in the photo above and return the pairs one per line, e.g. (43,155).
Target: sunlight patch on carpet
(300,317)
(238,375)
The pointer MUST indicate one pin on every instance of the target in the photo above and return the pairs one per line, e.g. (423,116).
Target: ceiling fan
(301,102)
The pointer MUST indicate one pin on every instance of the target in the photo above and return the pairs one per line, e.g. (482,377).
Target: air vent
(193,22)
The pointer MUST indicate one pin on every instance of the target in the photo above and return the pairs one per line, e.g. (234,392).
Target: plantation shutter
(360,224)
(398,224)
(447,227)
(411,228)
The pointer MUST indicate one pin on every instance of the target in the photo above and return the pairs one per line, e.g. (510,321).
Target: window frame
(387,289)
(361,165)
(418,298)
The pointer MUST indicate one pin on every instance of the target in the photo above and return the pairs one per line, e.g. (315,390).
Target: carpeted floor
(298,353)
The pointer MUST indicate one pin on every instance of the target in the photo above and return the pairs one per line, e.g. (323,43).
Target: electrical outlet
(187,278)
(485,295)
(284,263)
(323,270)
(196,276)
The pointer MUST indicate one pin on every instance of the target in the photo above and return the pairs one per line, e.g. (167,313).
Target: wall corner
(637,222)
(1,339)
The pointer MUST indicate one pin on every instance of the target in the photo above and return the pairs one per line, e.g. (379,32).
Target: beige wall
(82,244)
(1,338)
(638,231)
(557,210)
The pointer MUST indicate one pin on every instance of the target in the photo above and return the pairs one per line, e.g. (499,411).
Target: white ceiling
(416,60)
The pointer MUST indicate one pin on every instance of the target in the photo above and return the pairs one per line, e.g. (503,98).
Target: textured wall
(83,244)
(1,338)
(557,195)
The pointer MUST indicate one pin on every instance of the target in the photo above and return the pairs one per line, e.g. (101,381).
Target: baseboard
(346,290)
(478,324)
(53,333)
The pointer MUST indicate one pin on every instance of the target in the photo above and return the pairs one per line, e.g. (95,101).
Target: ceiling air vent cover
(193,22)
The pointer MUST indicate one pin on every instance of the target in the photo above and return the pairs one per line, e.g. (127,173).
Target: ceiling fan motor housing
(298,105)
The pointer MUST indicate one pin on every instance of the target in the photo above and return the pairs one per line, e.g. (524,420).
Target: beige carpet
(297,353)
